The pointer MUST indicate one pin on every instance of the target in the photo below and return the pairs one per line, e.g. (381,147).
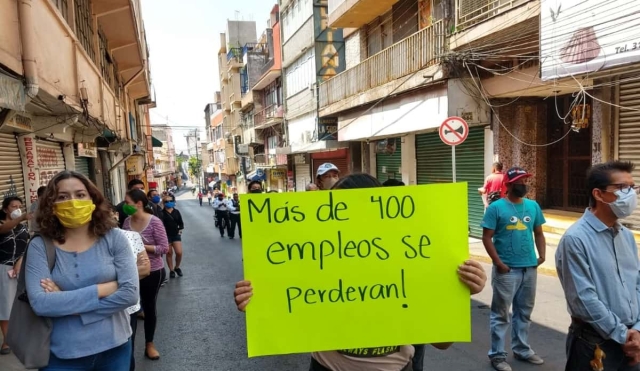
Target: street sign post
(454,131)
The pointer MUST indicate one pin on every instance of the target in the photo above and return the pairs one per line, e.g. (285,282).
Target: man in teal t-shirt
(512,230)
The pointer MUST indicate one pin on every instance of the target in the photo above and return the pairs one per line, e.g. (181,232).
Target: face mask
(74,213)
(15,214)
(169,205)
(129,209)
(625,204)
(329,183)
(519,190)
(155,199)
(255,191)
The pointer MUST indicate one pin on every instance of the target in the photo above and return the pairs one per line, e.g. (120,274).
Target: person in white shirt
(221,206)
(234,217)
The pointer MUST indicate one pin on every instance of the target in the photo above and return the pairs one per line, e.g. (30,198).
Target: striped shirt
(153,234)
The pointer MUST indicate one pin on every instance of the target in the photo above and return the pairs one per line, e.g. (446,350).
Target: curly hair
(101,221)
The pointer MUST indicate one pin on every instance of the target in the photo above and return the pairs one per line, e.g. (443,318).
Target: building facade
(75,93)
(164,156)
(230,63)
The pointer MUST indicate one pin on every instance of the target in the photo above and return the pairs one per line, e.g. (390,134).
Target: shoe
(534,359)
(4,351)
(164,282)
(231,237)
(178,272)
(500,364)
(151,352)
(172,274)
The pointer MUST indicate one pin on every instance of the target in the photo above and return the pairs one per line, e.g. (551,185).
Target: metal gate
(11,178)
(433,162)
(389,166)
(303,177)
(83,165)
(629,132)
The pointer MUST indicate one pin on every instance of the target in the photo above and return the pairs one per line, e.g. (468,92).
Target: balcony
(418,51)
(268,117)
(253,137)
(356,13)
(234,59)
(472,12)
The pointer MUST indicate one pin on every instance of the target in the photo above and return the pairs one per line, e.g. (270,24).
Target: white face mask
(15,214)
(625,205)
(328,183)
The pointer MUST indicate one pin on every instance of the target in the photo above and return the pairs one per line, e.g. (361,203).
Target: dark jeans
(581,344)
(316,366)
(134,328)
(200,202)
(418,357)
(149,287)
(235,221)
(117,358)
(223,222)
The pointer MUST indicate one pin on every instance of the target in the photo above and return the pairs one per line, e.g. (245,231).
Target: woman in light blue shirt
(93,282)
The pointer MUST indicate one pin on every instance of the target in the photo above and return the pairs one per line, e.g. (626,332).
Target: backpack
(493,197)
(29,335)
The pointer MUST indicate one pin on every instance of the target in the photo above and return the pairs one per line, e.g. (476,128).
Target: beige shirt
(339,362)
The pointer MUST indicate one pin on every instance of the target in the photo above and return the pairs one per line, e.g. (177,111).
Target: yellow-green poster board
(357,268)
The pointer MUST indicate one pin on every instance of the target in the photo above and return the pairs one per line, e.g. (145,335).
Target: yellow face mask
(74,213)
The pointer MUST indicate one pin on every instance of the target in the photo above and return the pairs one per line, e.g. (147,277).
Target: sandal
(5,351)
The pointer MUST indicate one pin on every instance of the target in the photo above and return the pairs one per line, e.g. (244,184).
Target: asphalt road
(200,329)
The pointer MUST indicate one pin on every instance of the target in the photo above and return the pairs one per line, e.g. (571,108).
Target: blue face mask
(169,205)
(625,205)
(156,199)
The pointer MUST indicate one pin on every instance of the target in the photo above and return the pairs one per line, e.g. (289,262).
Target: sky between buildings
(183,39)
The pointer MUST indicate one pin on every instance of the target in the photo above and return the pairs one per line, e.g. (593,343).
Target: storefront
(11,176)
(339,157)
(277,179)
(389,159)
(302,171)
(629,131)
(50,160)
(434,165)
(84,160)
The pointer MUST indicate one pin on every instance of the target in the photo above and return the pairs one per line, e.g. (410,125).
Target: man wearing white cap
(327,175)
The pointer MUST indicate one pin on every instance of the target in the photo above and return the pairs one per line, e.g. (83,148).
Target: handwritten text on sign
(355,268)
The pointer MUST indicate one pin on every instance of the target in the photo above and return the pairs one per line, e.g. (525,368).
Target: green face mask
(129,209)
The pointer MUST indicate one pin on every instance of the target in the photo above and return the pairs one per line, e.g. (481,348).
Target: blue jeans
(115,359)
(517,288)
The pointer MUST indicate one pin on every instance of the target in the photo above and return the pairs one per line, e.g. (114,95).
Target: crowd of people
(94,270)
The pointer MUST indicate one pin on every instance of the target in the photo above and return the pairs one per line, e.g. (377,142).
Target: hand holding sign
(355,268)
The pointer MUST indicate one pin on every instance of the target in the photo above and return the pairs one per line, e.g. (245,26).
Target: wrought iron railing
(416,52)
(472,12)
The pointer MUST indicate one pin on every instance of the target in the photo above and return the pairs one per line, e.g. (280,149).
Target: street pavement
(199,327)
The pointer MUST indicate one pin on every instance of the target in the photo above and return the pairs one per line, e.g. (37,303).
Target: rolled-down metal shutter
(433,160)
(629,132)
(11,178)
(303,176)
(341,163)
(389,166)
(83,165)
(50,160)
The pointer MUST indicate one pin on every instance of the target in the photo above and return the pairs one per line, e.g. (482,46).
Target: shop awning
(258,175)
(155,142)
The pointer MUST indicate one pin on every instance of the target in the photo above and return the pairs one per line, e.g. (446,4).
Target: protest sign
(358,268)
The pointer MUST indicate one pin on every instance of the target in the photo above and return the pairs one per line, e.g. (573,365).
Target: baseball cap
(324,168)
(516,173)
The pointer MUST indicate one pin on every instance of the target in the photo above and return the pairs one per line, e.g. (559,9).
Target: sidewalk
(477,252)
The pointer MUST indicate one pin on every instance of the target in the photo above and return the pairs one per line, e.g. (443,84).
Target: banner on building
(361,267)
(580,36)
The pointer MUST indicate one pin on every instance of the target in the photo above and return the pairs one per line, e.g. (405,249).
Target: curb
(542,270)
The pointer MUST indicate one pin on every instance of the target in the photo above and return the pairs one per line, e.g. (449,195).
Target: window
(84,27)
(295,16)
(62,7)
(380,34)
(301,74)
(272,144)
(107,66)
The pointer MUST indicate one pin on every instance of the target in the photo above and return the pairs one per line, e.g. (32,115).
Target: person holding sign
(327,176)
(510,227)
(389,358)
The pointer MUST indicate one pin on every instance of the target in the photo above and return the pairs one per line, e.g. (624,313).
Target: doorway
(568,160)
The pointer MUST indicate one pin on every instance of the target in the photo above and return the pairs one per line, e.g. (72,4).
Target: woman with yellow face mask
(94,279)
